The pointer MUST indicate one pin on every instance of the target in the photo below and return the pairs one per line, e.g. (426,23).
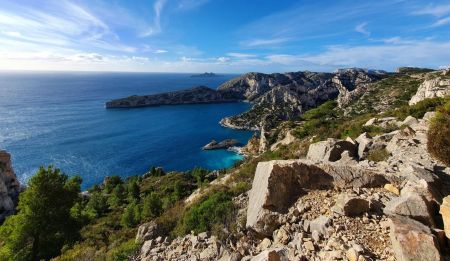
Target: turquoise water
(60,119)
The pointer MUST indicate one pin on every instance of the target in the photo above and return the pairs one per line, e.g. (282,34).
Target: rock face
(413,241)
(195,95)
(225,144)
(275,97)
(277,184)
(9,186)
(433,88)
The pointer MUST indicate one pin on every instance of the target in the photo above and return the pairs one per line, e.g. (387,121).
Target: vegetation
(44,223)
(439,134)
(378,155)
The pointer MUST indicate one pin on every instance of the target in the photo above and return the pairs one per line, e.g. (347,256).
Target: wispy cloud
(190,4)
(159,51)
(362,28)
(156,27)
(264,42)
(241,55)
(435,10)
(441,22)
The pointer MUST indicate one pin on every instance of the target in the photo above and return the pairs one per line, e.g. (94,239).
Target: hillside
(345,166)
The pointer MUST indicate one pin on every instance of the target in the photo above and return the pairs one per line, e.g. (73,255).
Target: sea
(60,119)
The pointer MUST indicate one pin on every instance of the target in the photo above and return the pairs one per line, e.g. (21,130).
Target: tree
(117,196)
(133,190)
(43,224)
(152,206)
(131,215)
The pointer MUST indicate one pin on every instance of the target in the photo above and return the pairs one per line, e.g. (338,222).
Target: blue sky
(222,35)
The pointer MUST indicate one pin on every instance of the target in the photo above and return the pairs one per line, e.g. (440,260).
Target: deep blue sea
(60,119)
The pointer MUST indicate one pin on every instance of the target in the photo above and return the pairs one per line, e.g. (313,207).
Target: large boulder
(277,184)
(9,186)
(411,205)
(331,150)
(413,241)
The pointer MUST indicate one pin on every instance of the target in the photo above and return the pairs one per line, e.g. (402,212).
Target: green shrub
(124,252)
(215,209)
(153,206)
(378,155)
(131,215)
(439,136)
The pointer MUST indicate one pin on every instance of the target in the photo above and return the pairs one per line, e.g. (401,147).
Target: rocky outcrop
(353,83)
(277,184)
(225,144)
(437,87)
(9,186)
(148,231)
(195,95)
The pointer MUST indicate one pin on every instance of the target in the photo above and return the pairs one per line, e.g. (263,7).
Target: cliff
(276,97)
(9,186)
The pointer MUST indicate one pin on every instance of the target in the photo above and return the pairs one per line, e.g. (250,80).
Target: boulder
(331,150)
(413,241)
(364,141)
(370,122)
(411,205)
(320,224)
(9,186)
(147,231)
(267,255)
(445,212)
(409,121)
(392,188)
(277,184)
(350,205)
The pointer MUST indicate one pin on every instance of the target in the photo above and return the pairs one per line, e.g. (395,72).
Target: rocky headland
(275,97)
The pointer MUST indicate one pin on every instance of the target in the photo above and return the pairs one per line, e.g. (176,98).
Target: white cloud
(241,55)
(223,59)
(361,28)
(156,27)
(159,51)
(441,22)
(435,10)
(264,42)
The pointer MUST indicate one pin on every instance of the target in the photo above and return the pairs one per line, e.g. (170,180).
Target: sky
(228,36)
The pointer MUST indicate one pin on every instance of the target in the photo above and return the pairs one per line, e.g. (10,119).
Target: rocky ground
(334,205)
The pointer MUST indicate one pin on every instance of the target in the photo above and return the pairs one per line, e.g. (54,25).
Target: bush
(153,206)
(378,155)
(131,216)
(215,209)
(124,252)
(439,135)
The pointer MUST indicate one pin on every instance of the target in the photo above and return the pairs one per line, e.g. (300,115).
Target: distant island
(206,74)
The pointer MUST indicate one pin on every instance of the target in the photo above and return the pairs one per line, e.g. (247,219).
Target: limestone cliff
(276,97)
(9,186)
